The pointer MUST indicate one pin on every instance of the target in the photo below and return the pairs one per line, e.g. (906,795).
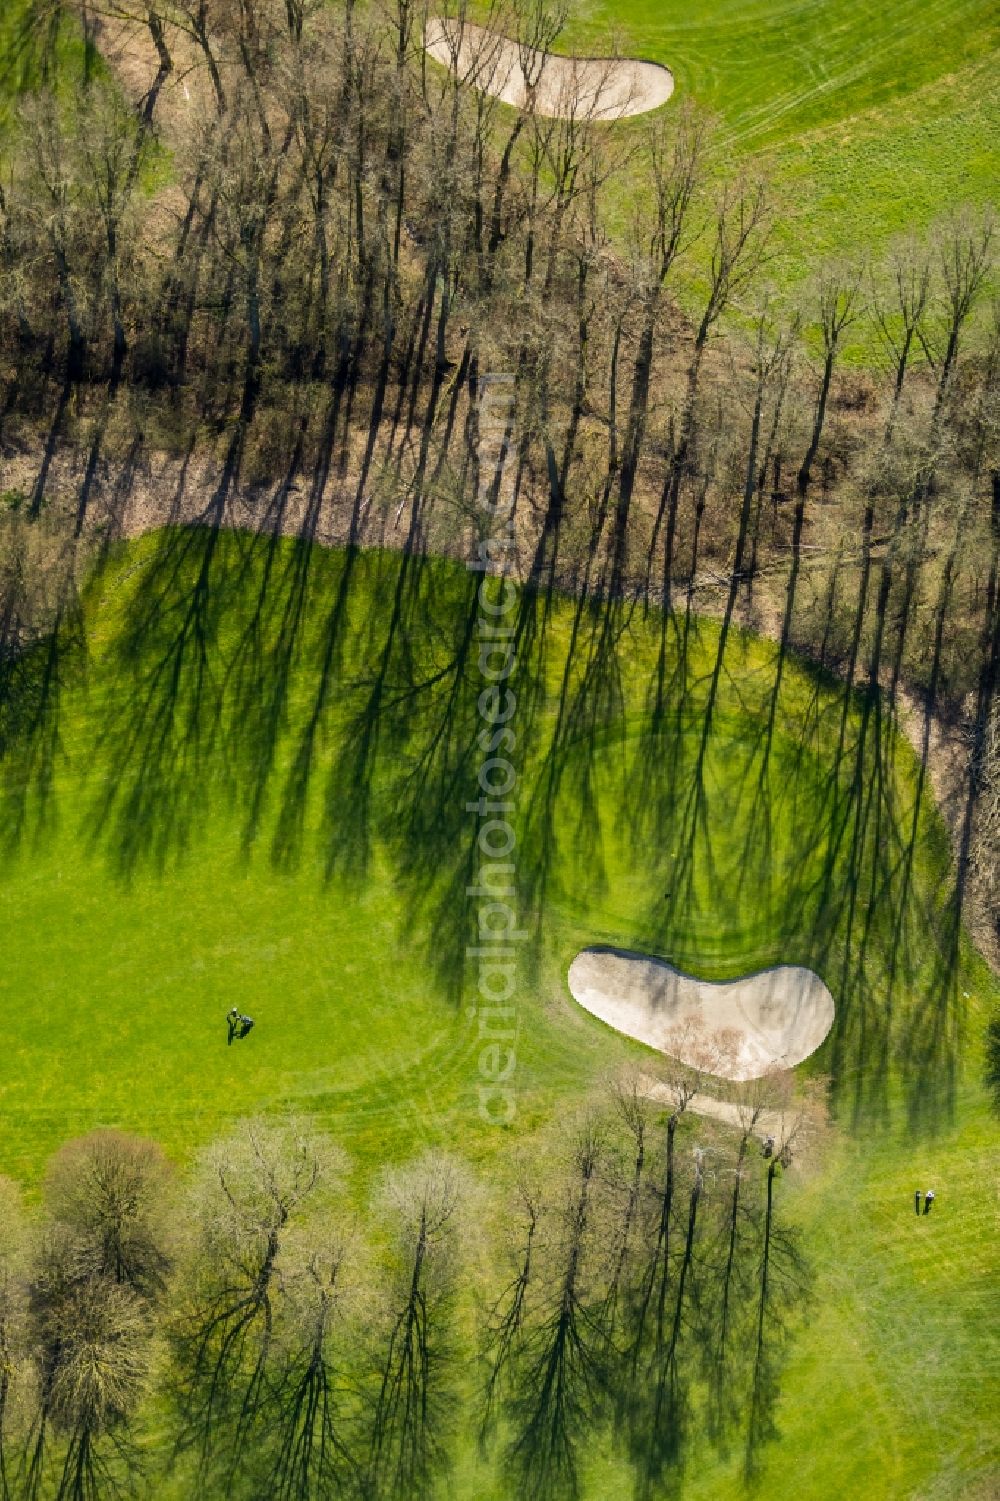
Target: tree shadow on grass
(794,820)
(164,736)
(332,700)
(587,1348)
(33,684)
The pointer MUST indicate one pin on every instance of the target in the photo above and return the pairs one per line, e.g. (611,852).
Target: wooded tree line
(254,1330)
(301,247)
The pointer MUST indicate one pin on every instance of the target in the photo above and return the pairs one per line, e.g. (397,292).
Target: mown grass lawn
(38,45)
(773,71)
(869,121)
(239,775)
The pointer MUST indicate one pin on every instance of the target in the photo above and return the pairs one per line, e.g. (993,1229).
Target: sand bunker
(594,88)
(736,1030)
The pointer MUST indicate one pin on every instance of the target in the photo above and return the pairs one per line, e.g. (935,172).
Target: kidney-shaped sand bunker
(593,88)
(737,1029)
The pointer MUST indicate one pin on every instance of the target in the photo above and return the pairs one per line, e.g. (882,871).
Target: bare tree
(771,368)
(252,1188)
(630,1097)
(311,1443)
(965,256)
(759,1105)
(661,235)
(54,229)
(899,301)
(109,1191)
(505,1323)
(559,1379)
(739,238)
(838,305)
(154,16)
(113,147)
(693,1056)
(658,1420)
(194,17)
(796,1124)
(90,1345)
(410,1415)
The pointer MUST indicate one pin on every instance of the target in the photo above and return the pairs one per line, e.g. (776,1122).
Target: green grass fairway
(773,71)
(870,120)
(239,776)
(38,46)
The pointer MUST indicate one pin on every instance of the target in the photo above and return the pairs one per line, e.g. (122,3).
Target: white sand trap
(594,88)
(736,1030)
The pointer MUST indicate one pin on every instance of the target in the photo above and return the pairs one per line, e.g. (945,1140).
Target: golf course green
(239,775)
(245,771)
(868,123)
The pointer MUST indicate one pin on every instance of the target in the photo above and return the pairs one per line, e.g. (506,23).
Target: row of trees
(253,1331)
(348,239)
(302,299)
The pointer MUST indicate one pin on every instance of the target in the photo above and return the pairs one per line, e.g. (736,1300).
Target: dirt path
(767,1123)
(594,88)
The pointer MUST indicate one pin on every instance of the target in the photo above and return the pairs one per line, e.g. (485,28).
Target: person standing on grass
(928,1200)
(233,1021)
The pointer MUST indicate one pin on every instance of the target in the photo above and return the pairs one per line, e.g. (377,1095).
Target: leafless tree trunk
(838,306)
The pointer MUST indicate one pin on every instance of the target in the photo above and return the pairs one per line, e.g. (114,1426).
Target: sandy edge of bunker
(735,1029)
(548,83)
